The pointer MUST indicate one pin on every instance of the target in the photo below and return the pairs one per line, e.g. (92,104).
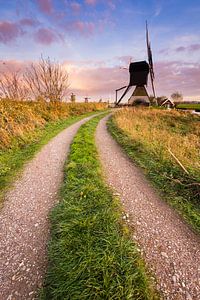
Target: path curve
(170,248)
(24,226)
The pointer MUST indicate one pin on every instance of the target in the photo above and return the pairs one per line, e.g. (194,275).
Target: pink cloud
(180,49)
(9,31)
(45,6)
(45,36)
(91,2)
(88,79)
(28,22)
(190,48)
(172,76)
(84,28)
(194,47)
(102,81)
(76,7)
(7,66)
(111,5)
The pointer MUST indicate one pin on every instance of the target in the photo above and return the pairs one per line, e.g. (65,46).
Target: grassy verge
(181,190)
(91,255)
(12,160)
(191,106)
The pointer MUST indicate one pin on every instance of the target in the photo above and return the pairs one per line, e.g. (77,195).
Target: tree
(47,80)
(153,100)
(176,96)
(12,86)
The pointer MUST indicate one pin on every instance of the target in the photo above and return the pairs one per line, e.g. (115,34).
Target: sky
(95,39)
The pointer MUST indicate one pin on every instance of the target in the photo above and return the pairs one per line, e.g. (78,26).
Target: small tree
(153,100)
(12,86)
(47,80)
(176,96)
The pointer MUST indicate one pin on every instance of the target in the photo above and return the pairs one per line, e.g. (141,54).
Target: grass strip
(12,160)
(183,197)
(91,255)
(191,106)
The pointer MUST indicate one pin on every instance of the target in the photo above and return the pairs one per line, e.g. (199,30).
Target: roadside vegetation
(26,126)
(91,255)
(166,144)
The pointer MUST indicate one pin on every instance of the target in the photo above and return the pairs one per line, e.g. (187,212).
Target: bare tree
(12,86)
(47,80)
(176,96)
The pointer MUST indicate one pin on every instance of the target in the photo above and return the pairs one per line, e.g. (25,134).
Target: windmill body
(139,72)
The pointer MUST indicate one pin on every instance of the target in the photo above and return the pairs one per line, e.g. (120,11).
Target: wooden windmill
(139,72)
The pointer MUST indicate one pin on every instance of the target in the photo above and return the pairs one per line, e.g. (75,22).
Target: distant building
(167,103)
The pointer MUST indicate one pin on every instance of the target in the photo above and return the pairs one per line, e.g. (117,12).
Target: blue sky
(93,38)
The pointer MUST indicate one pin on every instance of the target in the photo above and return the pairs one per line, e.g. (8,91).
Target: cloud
(45,6)
(111,5)
(83,28)
(46,36)
(180,49)
(89,78)
(176,75)
(76,7)
(95,81)
(189,48)
(7,66)
(29,22)
(9,31)
(91,2)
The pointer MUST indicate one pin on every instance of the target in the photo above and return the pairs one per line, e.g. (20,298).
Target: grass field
(91,255)
(189,106)
(163,143)
(26,127)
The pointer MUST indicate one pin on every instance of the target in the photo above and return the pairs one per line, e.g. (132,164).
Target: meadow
(166,144)
(26,126)
(191,106)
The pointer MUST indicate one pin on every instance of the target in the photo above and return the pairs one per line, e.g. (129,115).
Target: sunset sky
(94,38)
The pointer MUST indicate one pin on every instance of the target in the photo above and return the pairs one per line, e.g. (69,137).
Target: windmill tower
(139,72)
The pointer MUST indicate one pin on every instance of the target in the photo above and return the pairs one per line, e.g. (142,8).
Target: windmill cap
(139,66)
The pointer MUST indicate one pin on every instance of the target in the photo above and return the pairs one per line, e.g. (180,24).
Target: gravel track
(170,248)
(24,225)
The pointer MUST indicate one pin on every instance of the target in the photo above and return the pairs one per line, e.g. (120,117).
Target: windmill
(139,72)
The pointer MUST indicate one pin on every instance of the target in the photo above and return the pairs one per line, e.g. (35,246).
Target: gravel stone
(24,225)
(156,225)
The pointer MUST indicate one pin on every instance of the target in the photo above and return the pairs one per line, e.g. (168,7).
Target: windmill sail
(150,59)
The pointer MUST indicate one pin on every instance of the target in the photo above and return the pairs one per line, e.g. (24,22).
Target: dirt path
(24,227)
(170,248)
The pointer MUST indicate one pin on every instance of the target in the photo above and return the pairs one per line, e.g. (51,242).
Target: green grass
(12,160)
(179,189)
(191,106)
(91,255)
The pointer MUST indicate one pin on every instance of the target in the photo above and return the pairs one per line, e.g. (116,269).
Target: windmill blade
(150,59)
